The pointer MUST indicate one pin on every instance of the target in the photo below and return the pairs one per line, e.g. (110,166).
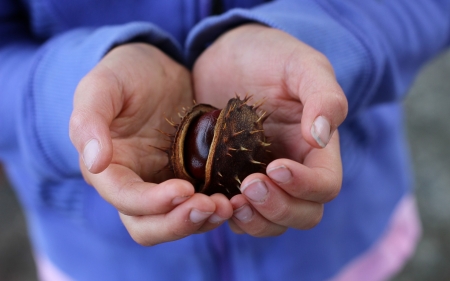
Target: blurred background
(428,127)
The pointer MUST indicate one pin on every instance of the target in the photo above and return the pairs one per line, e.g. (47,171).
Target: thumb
(324,104)
(97,101)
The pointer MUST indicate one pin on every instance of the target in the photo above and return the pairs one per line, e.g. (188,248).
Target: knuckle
(76,123)
(97,74)
(140,239)
(317,60)
(180,228)
(334,189)
(119,198)
(342,103)
(314,219)
(234,227)
(282,213)
(268,230)
(321,60)
(179,187)
(262,231)
(120,204)
(180,231)
(333,194)
(307,190)
(138,235)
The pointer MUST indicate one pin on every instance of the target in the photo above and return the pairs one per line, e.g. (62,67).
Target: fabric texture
(375,47)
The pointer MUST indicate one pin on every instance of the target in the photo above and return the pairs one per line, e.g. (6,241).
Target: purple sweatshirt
(367,232)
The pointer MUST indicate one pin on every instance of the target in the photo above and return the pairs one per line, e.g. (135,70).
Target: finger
(97,101)
(184,220)
(223,212)
(126,191)
(324,103)
(277,206)
(251,221)
(318,179)
(234,227)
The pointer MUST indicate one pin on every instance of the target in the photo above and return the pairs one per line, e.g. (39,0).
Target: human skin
(125,97)
(117,107)
(307,105)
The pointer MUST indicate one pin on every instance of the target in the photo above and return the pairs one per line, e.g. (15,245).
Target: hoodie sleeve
(38,79)
(376,47)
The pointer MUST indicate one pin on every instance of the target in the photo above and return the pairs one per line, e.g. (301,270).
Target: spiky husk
(238,148)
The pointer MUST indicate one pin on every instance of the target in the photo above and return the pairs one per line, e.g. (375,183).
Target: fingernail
(90,153)
(215,219)
(255,190)
(197,216)
(280,174)
(178,200)
(244,213)
(320,130)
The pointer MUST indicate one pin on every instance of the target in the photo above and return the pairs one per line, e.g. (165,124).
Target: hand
(117,107)
(307,105)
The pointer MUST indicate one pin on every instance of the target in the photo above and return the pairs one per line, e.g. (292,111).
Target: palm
(270,64)
(265,79)
(137,131)
(126,97)
(150,87)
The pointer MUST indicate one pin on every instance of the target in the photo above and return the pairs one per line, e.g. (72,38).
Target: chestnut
(215,149)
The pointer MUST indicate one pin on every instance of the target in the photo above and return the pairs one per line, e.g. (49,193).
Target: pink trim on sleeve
(48,272)
(380,262)
(390,253)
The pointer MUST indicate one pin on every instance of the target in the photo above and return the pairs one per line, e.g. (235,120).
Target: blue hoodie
(47,46)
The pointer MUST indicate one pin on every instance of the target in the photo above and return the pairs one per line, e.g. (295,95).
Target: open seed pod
(216,149)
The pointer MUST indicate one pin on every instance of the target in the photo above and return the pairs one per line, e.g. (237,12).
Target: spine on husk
(238,147)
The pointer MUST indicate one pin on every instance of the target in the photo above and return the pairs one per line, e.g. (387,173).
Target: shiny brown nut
(216,149)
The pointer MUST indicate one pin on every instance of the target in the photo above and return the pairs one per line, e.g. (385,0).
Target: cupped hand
(118,109)
(306,105)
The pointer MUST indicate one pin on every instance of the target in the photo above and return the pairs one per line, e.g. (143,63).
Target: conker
(215,149)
